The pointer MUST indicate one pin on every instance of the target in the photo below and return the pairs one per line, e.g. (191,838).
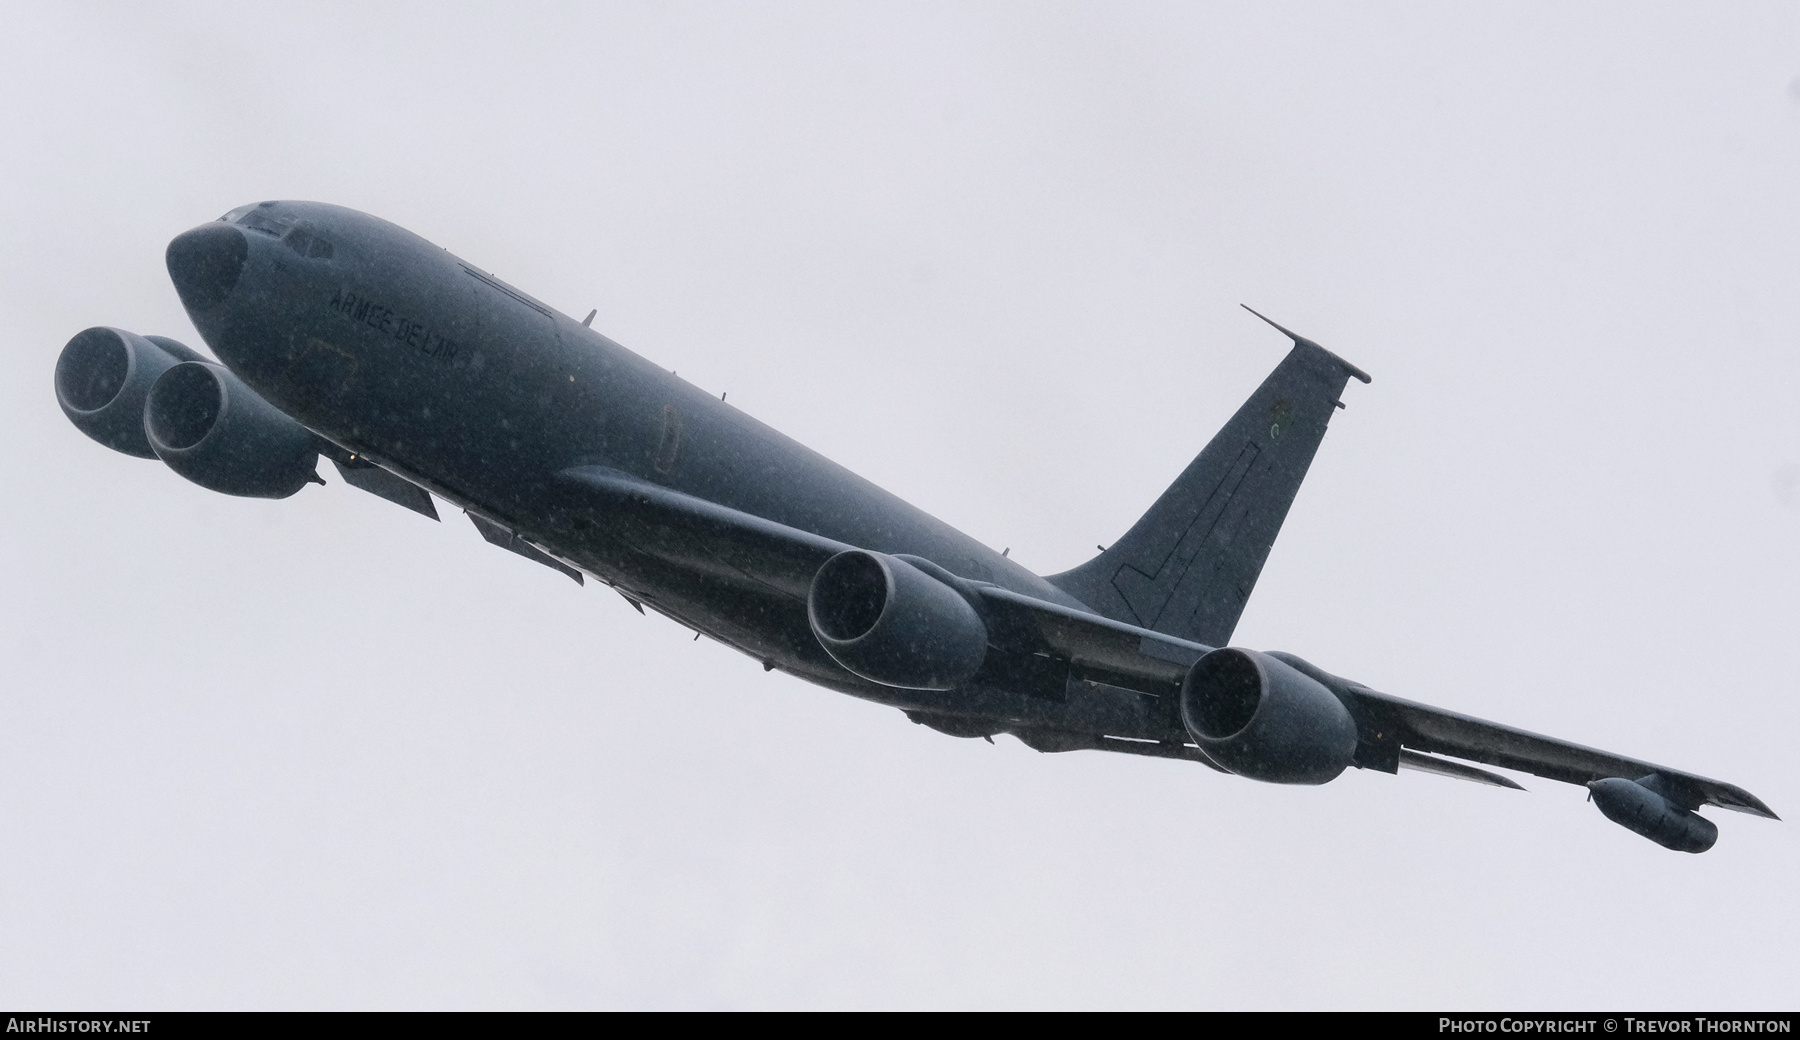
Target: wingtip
(1757,808)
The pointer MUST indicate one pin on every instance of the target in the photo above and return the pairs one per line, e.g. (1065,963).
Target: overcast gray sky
(325,753)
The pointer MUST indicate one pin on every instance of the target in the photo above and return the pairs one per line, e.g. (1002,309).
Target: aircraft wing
(1434,730)
(1157,663)
(690,531)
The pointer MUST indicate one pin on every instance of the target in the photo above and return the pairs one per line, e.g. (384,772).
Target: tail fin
(1187,566)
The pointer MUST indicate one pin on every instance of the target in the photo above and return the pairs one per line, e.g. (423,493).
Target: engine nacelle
(1260,718)
(1640,808)
(891,623)
(215,431)
(102,378)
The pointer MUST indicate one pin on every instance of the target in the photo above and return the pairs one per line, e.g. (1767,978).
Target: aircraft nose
(205,264)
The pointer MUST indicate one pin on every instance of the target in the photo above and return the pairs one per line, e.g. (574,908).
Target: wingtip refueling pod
(1646,807)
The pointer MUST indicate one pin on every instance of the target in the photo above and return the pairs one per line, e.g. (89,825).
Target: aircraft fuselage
(397,351)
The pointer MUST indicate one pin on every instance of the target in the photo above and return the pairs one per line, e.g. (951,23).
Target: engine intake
(215,431)
(102,378)
(891,623)
(1261,718)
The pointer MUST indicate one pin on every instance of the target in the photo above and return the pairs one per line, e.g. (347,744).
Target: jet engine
(1260,718)
(103,377)
(212,429)
(891,623)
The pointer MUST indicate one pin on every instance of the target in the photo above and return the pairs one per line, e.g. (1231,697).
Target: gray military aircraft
(419,374)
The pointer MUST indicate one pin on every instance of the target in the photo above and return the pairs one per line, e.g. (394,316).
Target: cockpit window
(257,218)
(307,244)
(257,215)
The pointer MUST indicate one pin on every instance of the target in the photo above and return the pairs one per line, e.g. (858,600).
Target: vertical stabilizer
(1187,566)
